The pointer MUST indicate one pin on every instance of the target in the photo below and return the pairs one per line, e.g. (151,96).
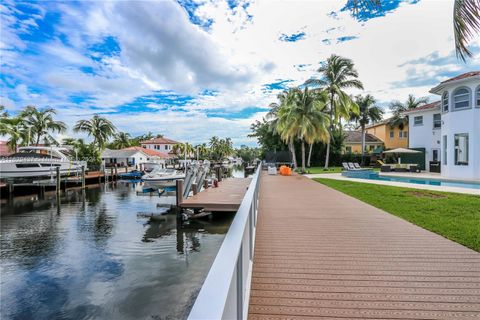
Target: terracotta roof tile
(149,152)
(159,141)
(463,76)
(356,137)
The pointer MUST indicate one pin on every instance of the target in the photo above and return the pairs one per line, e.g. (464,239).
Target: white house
(159,144)
(132,156)
(454,140)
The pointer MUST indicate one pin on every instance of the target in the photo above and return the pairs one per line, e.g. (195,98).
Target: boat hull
(30,169)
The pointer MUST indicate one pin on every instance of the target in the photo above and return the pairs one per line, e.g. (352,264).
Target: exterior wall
(357,147)
(136,158)
(158,147)
(382,132)
(462,121)
(425,135)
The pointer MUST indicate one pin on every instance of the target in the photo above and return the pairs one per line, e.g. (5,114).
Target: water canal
(97,256)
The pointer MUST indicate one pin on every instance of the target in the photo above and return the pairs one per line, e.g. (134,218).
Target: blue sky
(190,69)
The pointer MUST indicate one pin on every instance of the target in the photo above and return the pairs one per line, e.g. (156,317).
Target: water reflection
(98,257)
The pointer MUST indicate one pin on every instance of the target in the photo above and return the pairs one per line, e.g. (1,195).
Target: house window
(392,134)
(445,101)
(461,98)
(445,150)
(348,149)
(403,134)
(418,121)
(166,147)
(478,96)
(437,121)
(435,155)
(461,149)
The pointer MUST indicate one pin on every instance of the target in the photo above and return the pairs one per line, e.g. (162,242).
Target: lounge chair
(356,165)
(351,166)
(345,166)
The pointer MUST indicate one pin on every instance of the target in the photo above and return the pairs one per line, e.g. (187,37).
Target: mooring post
(111,174)
(179,192)
(194,188)
(205,184)
(58,187)
(116,172)
(83,177)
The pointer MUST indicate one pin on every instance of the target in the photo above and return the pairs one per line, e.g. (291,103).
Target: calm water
(98,256)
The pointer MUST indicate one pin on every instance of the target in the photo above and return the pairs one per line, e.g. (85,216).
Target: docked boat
(132,175)
(30,162)
(161,178)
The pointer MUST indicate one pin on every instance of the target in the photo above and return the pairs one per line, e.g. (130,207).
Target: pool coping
(338,176)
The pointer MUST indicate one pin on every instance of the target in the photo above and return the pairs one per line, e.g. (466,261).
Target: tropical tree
(337,74)
(100,128)
(180,149)
(466,21)
(202,151)
(304,119)
(121,140)
(41,123)
(368,112)
(398,108)
(220,148)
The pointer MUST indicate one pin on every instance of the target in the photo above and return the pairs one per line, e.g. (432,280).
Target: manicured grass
(452,215)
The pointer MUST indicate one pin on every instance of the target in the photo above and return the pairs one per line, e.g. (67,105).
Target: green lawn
(452,215)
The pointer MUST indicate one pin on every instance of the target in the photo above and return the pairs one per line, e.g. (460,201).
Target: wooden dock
(226,197)
(321,254)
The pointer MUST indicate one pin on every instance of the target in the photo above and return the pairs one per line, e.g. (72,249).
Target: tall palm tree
(41,123)
(98,127)
(398,108)
(121,140)
(368,112)
(304,119)
(466,21)
(337,74)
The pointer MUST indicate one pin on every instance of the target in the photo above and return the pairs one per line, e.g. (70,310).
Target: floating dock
(226,197)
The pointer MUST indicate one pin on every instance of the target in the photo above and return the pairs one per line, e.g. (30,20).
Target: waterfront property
(449,129)
(159,144)
(133,156)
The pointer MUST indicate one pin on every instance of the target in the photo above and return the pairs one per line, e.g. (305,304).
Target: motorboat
(39,161)
(132,175)
(163,177)
(153,165)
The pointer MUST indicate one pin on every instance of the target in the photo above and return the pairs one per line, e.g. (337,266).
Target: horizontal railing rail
(226,290)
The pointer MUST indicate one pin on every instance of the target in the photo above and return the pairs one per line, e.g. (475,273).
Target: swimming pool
(370,175)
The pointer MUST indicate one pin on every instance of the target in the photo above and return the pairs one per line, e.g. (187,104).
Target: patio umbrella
(401,151)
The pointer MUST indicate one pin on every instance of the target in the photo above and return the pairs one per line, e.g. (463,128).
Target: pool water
(366,174)
(100,255)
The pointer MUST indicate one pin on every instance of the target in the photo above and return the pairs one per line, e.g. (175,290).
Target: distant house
(449,130)
(132,156)
(392,137)
(353,142)
(159,144)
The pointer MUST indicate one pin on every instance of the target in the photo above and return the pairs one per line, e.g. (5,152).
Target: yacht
(29,162)
(163,178)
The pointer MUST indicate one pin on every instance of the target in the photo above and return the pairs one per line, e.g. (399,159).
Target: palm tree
(337,73)
(202,151)
(368,112)
(121,140)
(304,119)
(41,123)
(98,127)
(466,21)
(285,98)
(398,108)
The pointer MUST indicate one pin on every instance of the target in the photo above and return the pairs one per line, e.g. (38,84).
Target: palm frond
(466,24)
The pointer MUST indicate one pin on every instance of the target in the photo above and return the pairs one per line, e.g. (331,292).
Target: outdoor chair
(345,166)
(351,166)
(356,165)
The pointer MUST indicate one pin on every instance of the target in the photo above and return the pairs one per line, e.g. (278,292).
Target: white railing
(226,291)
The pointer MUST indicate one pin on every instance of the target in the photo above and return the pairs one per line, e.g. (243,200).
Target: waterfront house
(449,129)
(132,156)
(353,142)
(392,136)
(159,144)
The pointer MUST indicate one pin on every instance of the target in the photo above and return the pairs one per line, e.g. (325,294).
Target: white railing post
(226,291)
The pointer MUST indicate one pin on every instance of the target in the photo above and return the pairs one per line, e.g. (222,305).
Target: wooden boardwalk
(324,255)
(227,197)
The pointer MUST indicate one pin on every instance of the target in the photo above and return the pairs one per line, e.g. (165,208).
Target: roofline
(437,89)
(422,110)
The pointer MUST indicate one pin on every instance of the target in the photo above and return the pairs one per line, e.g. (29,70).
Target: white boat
(31,162)
(152,166)
(163,178)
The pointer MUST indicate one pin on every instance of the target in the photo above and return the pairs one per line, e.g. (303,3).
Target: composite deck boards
(322,254)
(227,197)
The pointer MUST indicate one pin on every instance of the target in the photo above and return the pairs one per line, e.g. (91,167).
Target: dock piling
(179,192)
(58,185)
(83,177)
(194,189)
